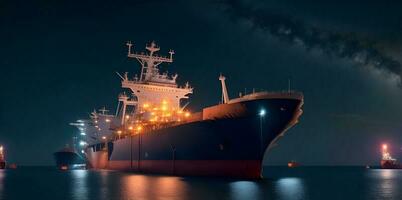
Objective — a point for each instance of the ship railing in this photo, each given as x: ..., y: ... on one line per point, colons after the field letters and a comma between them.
x: 290, y: 93
x: 270, y: 94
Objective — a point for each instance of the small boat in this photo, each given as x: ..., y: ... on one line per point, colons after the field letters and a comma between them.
x: 12, y: 166
x: 67, y: 158
x: 387, y: 161
x: 293, y: 164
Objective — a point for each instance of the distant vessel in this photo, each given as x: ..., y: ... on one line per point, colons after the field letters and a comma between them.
x: 153, y: 132
x: 293, y: 164
x: 67, y: 158
x: 387, y: 162
x: 12, y: 166
x: 2, y: 158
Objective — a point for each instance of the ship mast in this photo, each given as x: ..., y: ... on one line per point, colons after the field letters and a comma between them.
x: 149, y: 62
x: 225, y: 96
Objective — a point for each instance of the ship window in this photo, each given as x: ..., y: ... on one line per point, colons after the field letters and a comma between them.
x: 138, y: 91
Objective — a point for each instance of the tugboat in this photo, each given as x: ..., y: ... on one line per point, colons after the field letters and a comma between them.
x: 387, y: 162
x: 67, y: 158
x: 2, y: 159
x: 293, y: 164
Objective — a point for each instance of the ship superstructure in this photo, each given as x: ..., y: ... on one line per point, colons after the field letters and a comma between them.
x: 153, y: 91
x: 99, y: 125
x: 153, y: 132
x: 2, y: 158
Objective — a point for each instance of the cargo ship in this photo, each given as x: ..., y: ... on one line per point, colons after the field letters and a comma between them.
x: 152, y: 130
x: 387, y: 161
x: 2, y: 158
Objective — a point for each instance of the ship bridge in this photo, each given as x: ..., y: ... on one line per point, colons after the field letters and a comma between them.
x: 153, y: 87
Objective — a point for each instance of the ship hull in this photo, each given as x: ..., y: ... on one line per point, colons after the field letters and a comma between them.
x: 229, y: 141
x: 387, y: 164
x: 2, y: 164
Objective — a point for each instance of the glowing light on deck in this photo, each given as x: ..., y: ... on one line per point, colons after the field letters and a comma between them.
x: 82, y: 143
x: 384, y: 146
x: 83, y: 133
x: 127, y: 116
x: 151, y: 116
x: 107, y: 120
x: 104, y: 137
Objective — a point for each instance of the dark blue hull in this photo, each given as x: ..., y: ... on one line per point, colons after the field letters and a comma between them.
x: 229, y: 141
x: 69, y: 160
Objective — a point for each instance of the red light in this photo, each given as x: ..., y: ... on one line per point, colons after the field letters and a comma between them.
x: 384, y: 146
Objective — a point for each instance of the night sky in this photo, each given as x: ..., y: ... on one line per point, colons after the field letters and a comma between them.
x: 58, y: 62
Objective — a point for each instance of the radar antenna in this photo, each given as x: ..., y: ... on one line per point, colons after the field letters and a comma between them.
x: 149, y: 62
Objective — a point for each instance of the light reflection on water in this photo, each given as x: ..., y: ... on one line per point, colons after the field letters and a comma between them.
x: 152, y: 187
x: 103, y: 188
x: 2, y: 174
x: 385, y: 183
x: 79, y: 184
x: 290, y: 188
x: 282, y: 183
x: 244, y: 190
x: 332, y: 184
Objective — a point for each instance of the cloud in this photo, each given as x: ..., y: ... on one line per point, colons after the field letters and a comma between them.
x: 360, y: 51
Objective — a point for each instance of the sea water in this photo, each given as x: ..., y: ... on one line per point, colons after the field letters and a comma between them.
x: 321, y: 183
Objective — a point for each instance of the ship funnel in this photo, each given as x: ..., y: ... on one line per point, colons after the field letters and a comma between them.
x: 225, y: 96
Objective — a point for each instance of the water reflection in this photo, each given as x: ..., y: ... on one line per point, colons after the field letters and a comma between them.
x: 244, y: 190
x: 152, y: 187
x: 171, y: 187
x: 377, y: 184
x: 2, y: 175
x: 104, y: 187
x: 290, y: 188
x: 79, y: 184
x: 384, y: 183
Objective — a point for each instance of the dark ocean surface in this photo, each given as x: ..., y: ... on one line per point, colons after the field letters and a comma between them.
x: 279, y: 183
